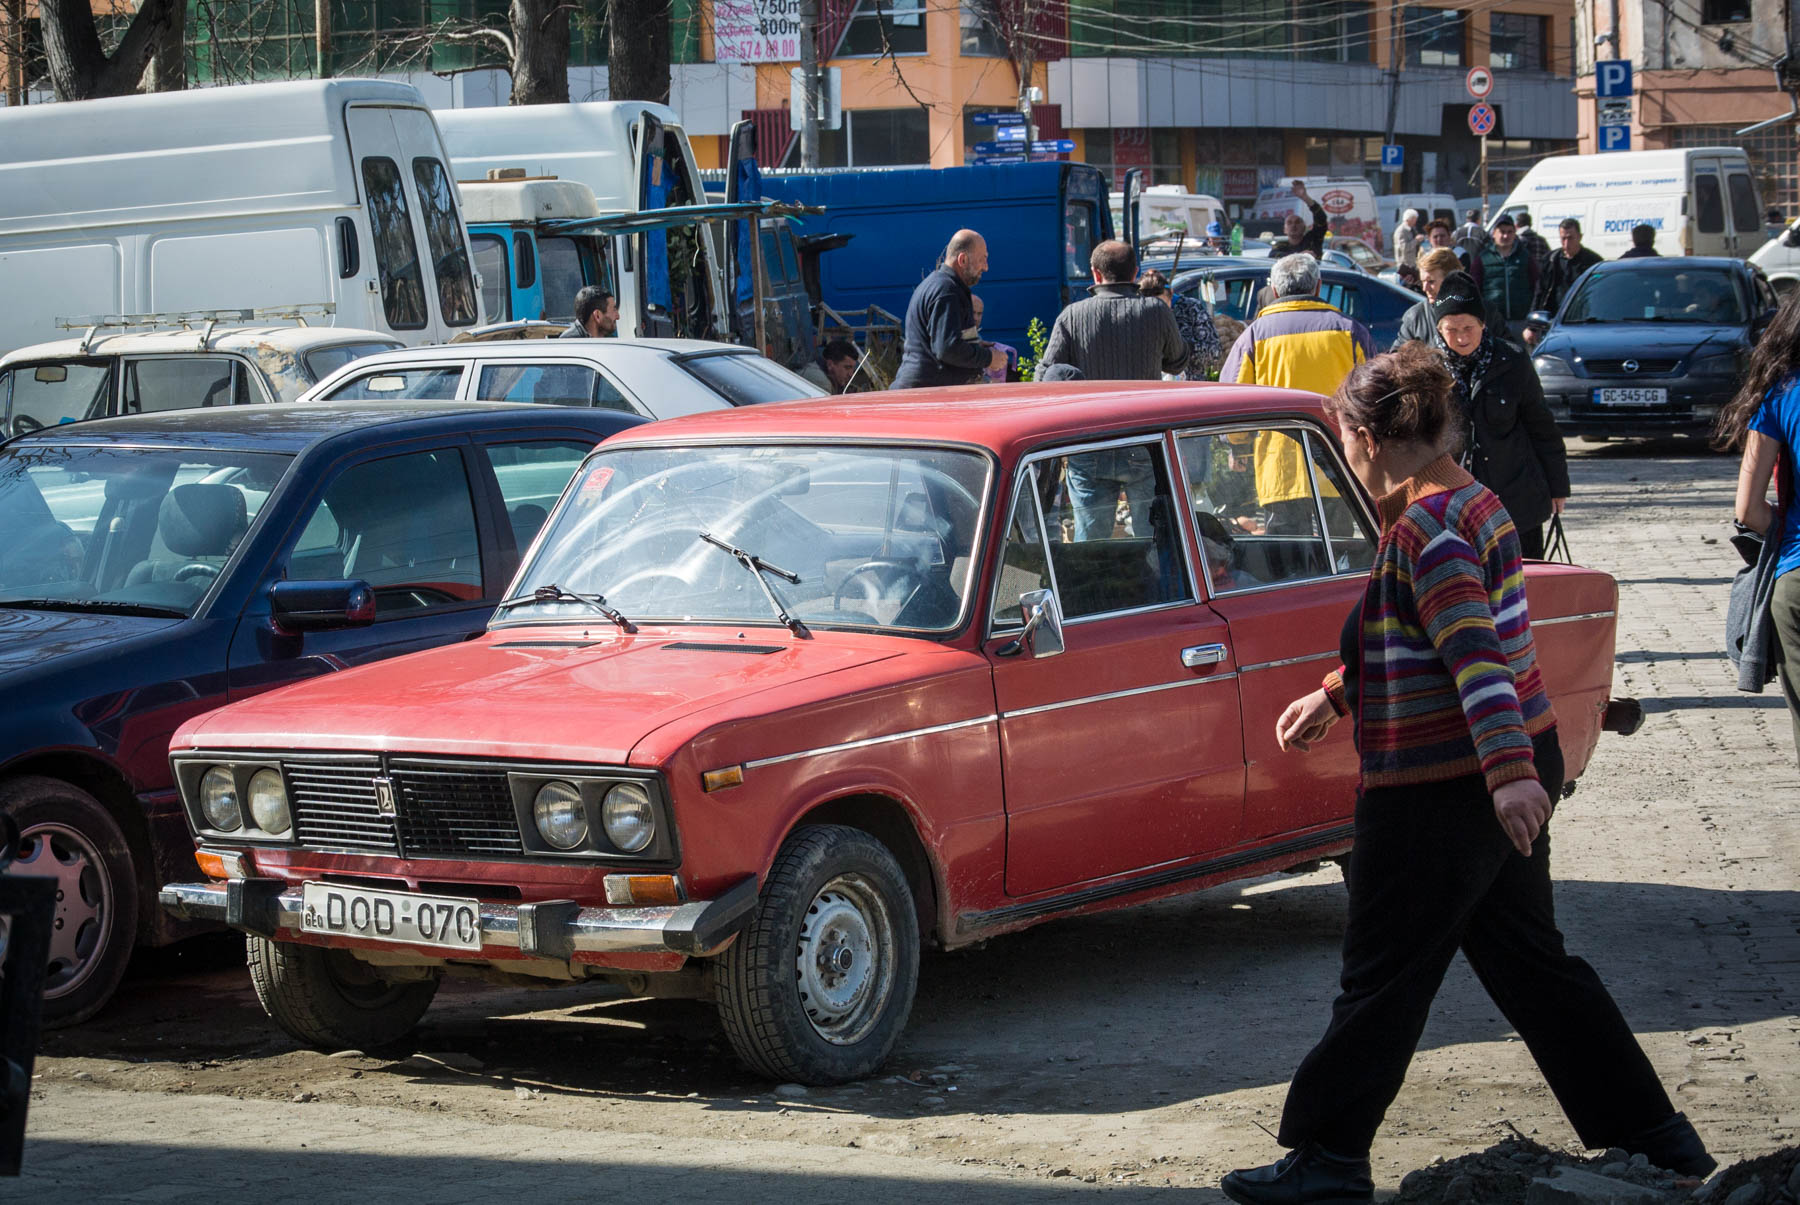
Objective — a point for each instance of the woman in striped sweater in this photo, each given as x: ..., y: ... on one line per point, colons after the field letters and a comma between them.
x: 1459, y: 765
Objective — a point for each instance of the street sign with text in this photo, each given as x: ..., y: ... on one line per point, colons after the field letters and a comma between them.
x: 998, y: 119
x: 1054, y: 146
x: 1011, y: 133
x: 1393, y: 157
x: 984, y: 160
x: 1613, y: 112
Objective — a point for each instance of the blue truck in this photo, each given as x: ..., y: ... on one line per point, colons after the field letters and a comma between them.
x: 1041, y: 221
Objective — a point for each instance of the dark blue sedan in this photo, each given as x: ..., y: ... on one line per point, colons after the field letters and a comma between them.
x: 1230, y: 289
x: 155, y: 567
x: 1651, y: 346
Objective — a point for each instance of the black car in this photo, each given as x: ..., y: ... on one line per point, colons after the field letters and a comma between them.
x: 1230, y: 288
x: 158, y: 566
x: 1651, y: 346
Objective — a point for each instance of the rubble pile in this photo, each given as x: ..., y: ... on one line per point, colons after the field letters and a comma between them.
x: 1770, y: 1180
x: 1519, y: 1171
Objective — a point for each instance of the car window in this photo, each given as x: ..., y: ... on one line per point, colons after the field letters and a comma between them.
x: 747, y: 379
x: 1709, y: 205
x: 1746, y: 217
x: 149, y: 527
x: 566, y: 264
x: 1698, y: 295
x: 1765, y: 295
x: 436, y: 383
x: 404, y: 524
x: 1255, y: 506
x: 168, y: 383
x: 1343, y: 298
x: 551, y: 385
x: 396, y: 254
x: 43, y: 395
x: 1240, y: 297
x: 321, y: 362
x: 1024, y: 558
x: 1114, y: 543
x: 1078, y: 238
x: 531, y: 476
x: 496, y: 277
x: 444, y: 234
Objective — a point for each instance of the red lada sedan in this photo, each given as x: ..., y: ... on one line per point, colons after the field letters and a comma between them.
x: 782, y: 694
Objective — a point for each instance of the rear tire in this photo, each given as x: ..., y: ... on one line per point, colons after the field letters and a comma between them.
x: 817, y: 989
x: 330, y: 999
x: 65, y: 834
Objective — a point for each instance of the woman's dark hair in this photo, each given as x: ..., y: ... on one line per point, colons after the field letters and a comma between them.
x: 1152, y: 283
x: 1777, y: 354
x: 1404, y: 396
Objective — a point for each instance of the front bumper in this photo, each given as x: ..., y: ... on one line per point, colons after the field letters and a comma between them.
x: 557, y: 929
x: 1693, y: 404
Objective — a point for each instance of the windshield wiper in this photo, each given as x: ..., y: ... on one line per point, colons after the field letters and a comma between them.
x: 555, y: 593
x: 90, y: 604
x: 757, y: 567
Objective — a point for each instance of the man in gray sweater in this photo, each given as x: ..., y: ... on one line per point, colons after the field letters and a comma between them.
x: 1114, y: 334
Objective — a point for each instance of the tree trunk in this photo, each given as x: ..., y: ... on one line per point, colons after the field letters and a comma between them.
x: 540, y: 69
x: 167, y: 71
x: 79, y: 66
x: 637, y: 50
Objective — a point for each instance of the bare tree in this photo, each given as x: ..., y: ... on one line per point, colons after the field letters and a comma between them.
x: 1020, y: 26
x: 167, y: 70
x: 80, y: 68
x: 637, y: 50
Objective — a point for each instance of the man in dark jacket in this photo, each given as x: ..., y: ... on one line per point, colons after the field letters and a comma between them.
x: 1509, y: 278
x: 1643, y: 242
x: 942, y: 344
x: 596, y: 315
x: 1300, y: 236
x: 1534, y: 243
x: 1566, y: 267
x: 1113, y: 334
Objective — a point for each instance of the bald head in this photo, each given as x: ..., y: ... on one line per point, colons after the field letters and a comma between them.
x: 967, y: 256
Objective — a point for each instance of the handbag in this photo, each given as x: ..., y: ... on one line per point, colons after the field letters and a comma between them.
x: 1556, y: 544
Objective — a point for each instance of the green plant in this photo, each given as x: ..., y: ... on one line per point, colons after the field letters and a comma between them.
x: 1038, y: 336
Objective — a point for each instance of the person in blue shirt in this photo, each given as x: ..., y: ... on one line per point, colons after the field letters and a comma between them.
x: 1765, y: 417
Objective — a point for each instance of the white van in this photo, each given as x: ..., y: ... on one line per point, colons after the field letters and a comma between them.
x: 1429, y: 204
x: 262, y: 195
x: 1779, y: 258
x: 1349, y: 203
x: 1700, y: 200
x: 634, y: 156
x: 1169, y: 209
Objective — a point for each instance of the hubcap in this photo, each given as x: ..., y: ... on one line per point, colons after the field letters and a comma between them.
x: 84, y: 900
x: 844, y: 960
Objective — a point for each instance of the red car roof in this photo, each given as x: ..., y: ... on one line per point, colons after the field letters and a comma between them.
x: 1005, y: 418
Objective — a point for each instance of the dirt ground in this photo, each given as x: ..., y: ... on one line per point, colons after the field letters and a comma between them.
x: 1150, y: 1046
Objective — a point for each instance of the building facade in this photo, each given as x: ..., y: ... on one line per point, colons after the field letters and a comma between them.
x: 1702, y: 70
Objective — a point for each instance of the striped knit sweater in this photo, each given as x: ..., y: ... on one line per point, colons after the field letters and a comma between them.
x: 1449, y: 682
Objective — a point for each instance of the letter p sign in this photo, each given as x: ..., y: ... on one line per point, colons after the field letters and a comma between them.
x: 1612, y: 77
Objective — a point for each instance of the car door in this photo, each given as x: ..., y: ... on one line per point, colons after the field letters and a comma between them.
x: 413, y: 522
x: 1706, y: 212
x: 1124, y: 751
x: 1286, y: 546
x: 552, y: 382
x: 1746, y: 210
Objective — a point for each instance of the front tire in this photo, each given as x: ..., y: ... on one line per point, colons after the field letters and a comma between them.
x: 817, y: 989
x: 66, y: 835
x: 331, y: 999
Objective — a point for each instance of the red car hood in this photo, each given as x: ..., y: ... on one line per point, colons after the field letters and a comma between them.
x: 532, y: 694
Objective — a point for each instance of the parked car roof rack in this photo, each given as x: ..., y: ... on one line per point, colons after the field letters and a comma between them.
x: 205, y: 320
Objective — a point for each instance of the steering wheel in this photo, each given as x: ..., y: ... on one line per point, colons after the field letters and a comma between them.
x: 24, y: 424
x: 888, y: 572
x: 196, y: 569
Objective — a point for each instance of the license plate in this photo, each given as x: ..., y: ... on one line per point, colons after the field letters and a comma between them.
x: 398, y: 916
x: 1631, y: 397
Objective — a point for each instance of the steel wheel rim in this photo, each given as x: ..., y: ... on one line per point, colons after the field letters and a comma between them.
x: 84, y: 901
x: 844, y: 960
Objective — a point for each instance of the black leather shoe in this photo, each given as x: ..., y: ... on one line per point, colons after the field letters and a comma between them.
x: 1673, y: 1145
x: 1306, y: 1176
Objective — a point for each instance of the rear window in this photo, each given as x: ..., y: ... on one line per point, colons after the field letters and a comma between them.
x: 443, y: 230
x: 745, y: 379
x: 427, y: 383
x: 321, y: 362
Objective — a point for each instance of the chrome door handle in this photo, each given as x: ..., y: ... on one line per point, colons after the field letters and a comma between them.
x: 1202, y: 654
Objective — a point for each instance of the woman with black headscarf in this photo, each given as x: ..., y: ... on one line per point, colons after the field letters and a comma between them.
x: 1510, y: 442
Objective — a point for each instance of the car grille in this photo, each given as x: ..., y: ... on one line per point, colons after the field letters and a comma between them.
x: 441, y: 807
x: 1645, y: 368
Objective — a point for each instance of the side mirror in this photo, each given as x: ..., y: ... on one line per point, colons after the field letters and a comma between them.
x: 297, y: 607
x: 1042, y: 633
x: 1791, y: 237
x: 1541, y: 317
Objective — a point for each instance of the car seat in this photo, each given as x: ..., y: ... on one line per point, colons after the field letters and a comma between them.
x: 200, y: 525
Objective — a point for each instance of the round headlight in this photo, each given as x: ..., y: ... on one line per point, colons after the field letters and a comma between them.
x: 268, y: 803
x: 560, y: 817
x: 630, y: 822
x: 219, y: 800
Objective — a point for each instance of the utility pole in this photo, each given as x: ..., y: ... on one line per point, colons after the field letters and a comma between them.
x: 809, y: 84
x: 1396, y: 57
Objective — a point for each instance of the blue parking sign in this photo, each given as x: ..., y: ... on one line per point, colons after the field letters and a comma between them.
x: 1393, y: 157
x: 1612, y: 77
x: 1615, y: 138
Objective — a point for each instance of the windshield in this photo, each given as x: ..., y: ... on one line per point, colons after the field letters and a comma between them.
x: 1707, y: 295
x: 321, y: 362
x: 129, y: 529
x: 878, y: 537
x: 50, y: 392
x: 746, y: 379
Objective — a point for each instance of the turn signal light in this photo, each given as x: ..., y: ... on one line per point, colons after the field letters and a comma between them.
x: 718, y: 780
x: 234, y: 865
x: 211, y: 864
x: 643, y: 889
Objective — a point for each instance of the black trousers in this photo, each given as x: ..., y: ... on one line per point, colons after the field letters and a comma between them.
x: 1432, y: 872
x: 1531, y: 546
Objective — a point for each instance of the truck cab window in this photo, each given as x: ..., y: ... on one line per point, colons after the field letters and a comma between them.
x: 496, y: 276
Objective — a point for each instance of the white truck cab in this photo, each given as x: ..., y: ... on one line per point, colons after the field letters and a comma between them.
x: 528, y: 268
x: 1699, y: 200
x: 633, y: 156
x: 331, y: 192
